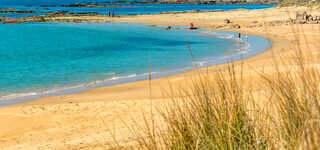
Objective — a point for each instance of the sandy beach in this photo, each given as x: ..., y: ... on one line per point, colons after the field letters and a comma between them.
x: 84, y: 120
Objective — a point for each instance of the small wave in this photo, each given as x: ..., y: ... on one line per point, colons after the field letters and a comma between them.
x: 132, y: 75
x: 83, y: 85
x: 200, y: 63
x: 215, y: 34
x: 10, y: 96
x: 121, y: 77
x: 115, y: 78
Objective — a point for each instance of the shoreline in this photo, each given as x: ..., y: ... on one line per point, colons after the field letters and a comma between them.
x: 81, y: 120
x: 66, y: 13
x: 82, y: 87
x: 49, y: 100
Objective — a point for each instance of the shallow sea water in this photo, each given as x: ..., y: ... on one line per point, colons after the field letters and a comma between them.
x: 37, y: 59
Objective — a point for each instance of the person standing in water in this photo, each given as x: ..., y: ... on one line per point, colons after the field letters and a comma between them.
x: 247, y: 39
x: 239, y: 36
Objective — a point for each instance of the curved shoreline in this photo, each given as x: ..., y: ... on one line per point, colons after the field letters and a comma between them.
x: 81, y: 120
x: 7, y: 100
x: 36, y: 100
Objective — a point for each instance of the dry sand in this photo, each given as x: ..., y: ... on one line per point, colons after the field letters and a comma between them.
x: 84, y: 120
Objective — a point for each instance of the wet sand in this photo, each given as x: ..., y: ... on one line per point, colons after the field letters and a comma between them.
x: 83, y: 120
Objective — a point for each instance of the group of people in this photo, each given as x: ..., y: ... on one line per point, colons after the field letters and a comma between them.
x: 239, y: 38
x: 239, y: 34
x: 109, y: 13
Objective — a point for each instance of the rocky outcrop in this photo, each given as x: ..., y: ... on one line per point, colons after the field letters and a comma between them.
x: 236, y: 26
x: 86, y: 14
x: 305, y: 18
x: 90, y: 5
x: 13, y: 10
x: 199, y: 1
x: 60, y: 12
x: 227, y: 21
x: 48, y: 5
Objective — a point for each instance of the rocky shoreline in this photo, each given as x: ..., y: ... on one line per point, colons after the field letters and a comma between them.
x: 198, y: 2
x: 92, y: 5
x: 68, y: 16
x: 13, y: 10
x: 65, y: 16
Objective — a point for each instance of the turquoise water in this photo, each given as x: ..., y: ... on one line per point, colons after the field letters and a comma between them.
x: 37, y: 59
x: 125, y: 9
x: 41, y: 59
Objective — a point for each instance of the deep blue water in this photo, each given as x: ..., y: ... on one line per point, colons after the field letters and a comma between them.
x: 37, y: 58
x: 125, y: 9
x: 46, y: 2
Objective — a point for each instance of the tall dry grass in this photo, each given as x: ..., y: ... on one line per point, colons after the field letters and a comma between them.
x: 220, y: 111
x: 213, y: 112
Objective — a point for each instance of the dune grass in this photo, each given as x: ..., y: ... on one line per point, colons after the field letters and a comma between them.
x: 218, y: 111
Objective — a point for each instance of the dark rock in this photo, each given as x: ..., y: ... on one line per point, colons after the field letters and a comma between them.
x: 301, y: 18
x: 25, y: 11
x: 42, y: 19
x: 304, y: 18
x: 236, y: 26
x: 227, y: 21
x: 12, y: 10
x: 87, y: 14
x: 90, y: 5
x: 7, y: 22
x: 60, y: 12
x: 48, y: 5
x: 74, y: 5
x: 194, y: 11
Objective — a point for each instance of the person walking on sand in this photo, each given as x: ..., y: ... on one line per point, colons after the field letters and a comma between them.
x: 109, y: 13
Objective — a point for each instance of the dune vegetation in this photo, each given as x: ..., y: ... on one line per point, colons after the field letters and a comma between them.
x: 221, y: 111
